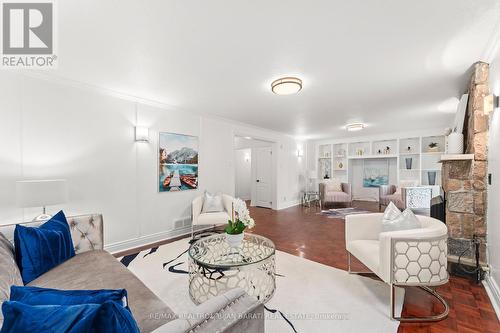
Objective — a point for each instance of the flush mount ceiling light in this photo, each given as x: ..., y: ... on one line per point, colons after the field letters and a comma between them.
x: 286, y: 86
x: 355, y: 127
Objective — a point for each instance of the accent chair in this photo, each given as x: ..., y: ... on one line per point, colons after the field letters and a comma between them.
x: 329, y: 194
x: 388, y: 193
x: 213, y: 218
x: 406, y: 258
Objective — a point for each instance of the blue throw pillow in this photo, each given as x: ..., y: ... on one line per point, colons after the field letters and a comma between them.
x: 45, y: 296
x: 84, y: 318
x: 40, y: 249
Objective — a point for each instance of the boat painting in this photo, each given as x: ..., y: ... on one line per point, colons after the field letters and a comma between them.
x: 178, y: 162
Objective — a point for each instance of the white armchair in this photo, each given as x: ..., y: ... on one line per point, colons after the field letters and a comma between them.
x: 416, y: 257
x: 199, y: 218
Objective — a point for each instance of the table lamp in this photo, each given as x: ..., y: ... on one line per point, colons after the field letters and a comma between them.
x: 41, y: 193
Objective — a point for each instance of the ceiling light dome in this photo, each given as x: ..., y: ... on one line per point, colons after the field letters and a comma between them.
x: 355, y: 127
x: 286, y: 86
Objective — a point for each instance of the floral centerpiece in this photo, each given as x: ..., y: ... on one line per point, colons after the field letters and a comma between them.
x: 240, y: 221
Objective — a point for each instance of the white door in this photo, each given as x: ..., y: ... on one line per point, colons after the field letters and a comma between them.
x: 263, y: 177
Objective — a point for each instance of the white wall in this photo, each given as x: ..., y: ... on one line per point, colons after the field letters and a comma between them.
x: 493, y: 217
x: 243, y: 171
x: 50, y: 129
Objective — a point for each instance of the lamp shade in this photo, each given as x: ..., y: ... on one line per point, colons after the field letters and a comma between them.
x: 41, y: 193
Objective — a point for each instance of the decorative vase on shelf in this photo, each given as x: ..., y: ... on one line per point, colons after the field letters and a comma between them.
x: 235, y: 240
x: 408, y: 161
x: 431, y: 177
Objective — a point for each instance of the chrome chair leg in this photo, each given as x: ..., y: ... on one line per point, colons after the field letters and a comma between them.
x: 432, y: 318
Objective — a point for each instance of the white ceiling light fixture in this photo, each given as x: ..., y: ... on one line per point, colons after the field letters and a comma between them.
x: 286, y: 86
x: 354, y: 127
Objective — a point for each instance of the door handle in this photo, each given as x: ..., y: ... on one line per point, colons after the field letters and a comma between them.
x: 257, y: 180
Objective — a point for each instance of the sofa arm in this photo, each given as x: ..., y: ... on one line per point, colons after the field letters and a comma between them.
x: 232, y: 312
x: 86, y: 232
x: 346, y: 188
x: 362, y: 227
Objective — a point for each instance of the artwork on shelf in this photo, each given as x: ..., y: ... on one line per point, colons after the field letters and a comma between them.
x: 376, y: 173
x: 178, y: 162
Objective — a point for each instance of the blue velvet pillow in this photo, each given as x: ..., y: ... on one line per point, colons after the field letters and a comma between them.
x: 45, y: 296
x: 84, y: 318
x: 40, y: 249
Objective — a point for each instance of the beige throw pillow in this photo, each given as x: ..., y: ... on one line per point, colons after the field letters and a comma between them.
x: 333, y: 185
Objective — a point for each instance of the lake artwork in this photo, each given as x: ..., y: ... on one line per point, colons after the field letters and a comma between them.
x: 178, y: 162
x: 376, y: 173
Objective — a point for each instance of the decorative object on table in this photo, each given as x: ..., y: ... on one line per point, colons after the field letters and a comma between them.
x: 379, y: 152
x: 341, y: 213
x: 376, y: 173
x: 239, y: 222
x: 431, y: 177
x: 387, y: 150
x: 408, y: 149
x: 433, y: 147
x: 340, y: 166
x: 360, y: 151
x: 178, y: 162
x: 408, y: 162
x: 326, y: 176
x: 41, y: 193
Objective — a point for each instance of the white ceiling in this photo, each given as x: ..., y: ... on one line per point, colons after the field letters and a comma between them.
x: 393, y: 64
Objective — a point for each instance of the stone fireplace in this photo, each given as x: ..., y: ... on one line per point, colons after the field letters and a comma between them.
x: 464, y: 178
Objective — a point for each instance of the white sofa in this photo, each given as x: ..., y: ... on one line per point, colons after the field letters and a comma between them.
x: 199, y: 218
x: 416, y: 257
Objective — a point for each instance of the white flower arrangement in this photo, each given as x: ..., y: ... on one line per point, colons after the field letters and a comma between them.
x: 241, y: 218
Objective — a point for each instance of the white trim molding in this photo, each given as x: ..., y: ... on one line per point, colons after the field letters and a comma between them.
x: 150, y: 239
x: 493, y: 292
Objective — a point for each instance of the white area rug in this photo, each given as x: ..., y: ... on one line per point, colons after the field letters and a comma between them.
x: 314, y: 297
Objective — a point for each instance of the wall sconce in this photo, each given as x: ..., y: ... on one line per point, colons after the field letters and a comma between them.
x: 141, y: 134
x: 247, y: 157
x: 490, y: 103
x: 300, y: 153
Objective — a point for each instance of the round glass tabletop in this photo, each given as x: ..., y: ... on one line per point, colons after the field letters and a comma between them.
x: 214, y: 251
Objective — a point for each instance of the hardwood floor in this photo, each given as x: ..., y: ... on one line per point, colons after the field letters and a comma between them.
x: 303, y: 232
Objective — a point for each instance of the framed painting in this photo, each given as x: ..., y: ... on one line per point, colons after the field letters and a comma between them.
x: 177, y: 162
x: 376, y: 172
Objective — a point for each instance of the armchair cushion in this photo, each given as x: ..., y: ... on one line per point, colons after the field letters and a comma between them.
x: 337, y: 197
x: 212, y: 203
x: 213, y: 218
x: 333, y: 185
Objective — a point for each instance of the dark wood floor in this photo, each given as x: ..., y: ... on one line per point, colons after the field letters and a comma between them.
x: 303, y: 232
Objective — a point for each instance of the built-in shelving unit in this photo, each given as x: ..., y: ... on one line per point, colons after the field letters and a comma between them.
x: 417, y: 158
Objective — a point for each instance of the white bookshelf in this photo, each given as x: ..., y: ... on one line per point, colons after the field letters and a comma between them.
x: 334, y: 158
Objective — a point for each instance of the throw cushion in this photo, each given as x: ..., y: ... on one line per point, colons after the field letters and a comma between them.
x: 40, y: 249
x: 212, y: 203
x: 9, y: 273
x: 333, y: 185
x: 107, y: 317
x: 394, y: 220
x: 46, y: 296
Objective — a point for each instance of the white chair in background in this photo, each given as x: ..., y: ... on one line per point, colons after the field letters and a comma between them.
x: 212, y: 218
x: 405, y: 258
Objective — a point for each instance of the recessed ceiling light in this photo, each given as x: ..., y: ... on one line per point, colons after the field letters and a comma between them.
x: 286, y: 86
x: 355, y: 127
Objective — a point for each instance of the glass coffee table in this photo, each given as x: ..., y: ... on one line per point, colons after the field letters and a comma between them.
x: 215, y: 268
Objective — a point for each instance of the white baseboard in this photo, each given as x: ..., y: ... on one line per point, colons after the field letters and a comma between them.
x: 150, y: 239
x: 290, y: 204
x: 493, y: 292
